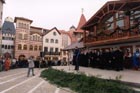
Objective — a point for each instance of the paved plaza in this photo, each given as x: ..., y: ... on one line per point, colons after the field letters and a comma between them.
x: 16, y: 80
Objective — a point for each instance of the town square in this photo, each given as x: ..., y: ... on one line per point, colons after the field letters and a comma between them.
x: 101, y: 54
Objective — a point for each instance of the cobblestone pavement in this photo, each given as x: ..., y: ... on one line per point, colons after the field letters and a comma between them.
x: 16, y: 81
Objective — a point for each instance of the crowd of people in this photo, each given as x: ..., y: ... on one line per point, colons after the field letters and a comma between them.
x: 12, y: 63
x: 113, y: 59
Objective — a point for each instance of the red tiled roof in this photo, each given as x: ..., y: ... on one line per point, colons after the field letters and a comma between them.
x: 81, y: 23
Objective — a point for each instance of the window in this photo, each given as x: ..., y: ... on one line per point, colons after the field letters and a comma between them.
x: 56, y: 41
x: 56, y: 49
x: 20, y: 36
x: 45, y: 49
x: 51, y: 49
x: 52, y: 41
x: 54, y: 33
x: 25, y: 47
x: 8, y: 46
x: 31, y: 47
x: 5, y: 46
x: 25, y: 36
x: 2, y: 46
x: 12, y: 46
x: 120, y: 23
x: 40, y: 48
x: 47, y: 40
x: 33, y: 37
x: 35, y: 47
x: 19, y: 46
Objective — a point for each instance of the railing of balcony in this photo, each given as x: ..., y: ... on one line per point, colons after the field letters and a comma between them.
x: 117, y: 35
x: 52, y: 53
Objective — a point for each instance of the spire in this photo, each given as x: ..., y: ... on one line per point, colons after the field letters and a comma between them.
x: 82, y: 21
x: 82, y: 10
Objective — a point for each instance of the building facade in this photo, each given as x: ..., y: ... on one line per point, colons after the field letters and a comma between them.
x: 1, y: 11
x: 76, y: 33
x: 1, y: 14
x: 116, y: 24
x: 36, y: 41
x: 52, y: 44
x: 8, y: 37
x: 66, y: 41
x: 22, y: 40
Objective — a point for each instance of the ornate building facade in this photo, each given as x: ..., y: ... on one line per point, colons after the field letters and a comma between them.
x: 116, y: 24
x: 28, y: 41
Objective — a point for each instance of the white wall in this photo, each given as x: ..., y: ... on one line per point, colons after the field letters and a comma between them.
x: 51, y: 36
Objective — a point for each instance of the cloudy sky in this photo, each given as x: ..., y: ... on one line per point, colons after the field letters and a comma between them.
x: 52, y: 13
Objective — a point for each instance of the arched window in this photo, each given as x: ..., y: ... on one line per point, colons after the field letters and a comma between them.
x: 31, y: 47
x: 56, y: 41
x: 47, y: 40
x: 52, y: 41
x: 25, y: 47
x: 19, y: 46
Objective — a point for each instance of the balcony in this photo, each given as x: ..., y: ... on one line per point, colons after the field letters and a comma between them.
x: 52, y: 53
x: 117, y: 37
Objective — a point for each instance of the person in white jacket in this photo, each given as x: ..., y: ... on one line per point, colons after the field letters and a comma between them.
x: 30, y: 66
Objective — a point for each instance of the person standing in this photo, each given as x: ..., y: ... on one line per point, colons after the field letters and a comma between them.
x: 7, y: 64
x: 136, y: 59
x: 1, y: 64
x: 76, y: 58
x: 30, y: 66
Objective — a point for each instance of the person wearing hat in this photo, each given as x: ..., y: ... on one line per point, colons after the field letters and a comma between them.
x: 30, y: 66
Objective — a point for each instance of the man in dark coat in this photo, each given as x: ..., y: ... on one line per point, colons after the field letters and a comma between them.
x: 76, y: 58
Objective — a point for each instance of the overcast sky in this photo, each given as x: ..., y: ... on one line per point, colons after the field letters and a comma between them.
x: 52, y: 13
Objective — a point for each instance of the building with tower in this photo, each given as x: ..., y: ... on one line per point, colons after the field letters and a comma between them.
x: 8, y: 37
x: 28, y: 41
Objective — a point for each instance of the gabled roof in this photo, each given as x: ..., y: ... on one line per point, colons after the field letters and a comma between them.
x: 110, y: 8
x: 52, y: 30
